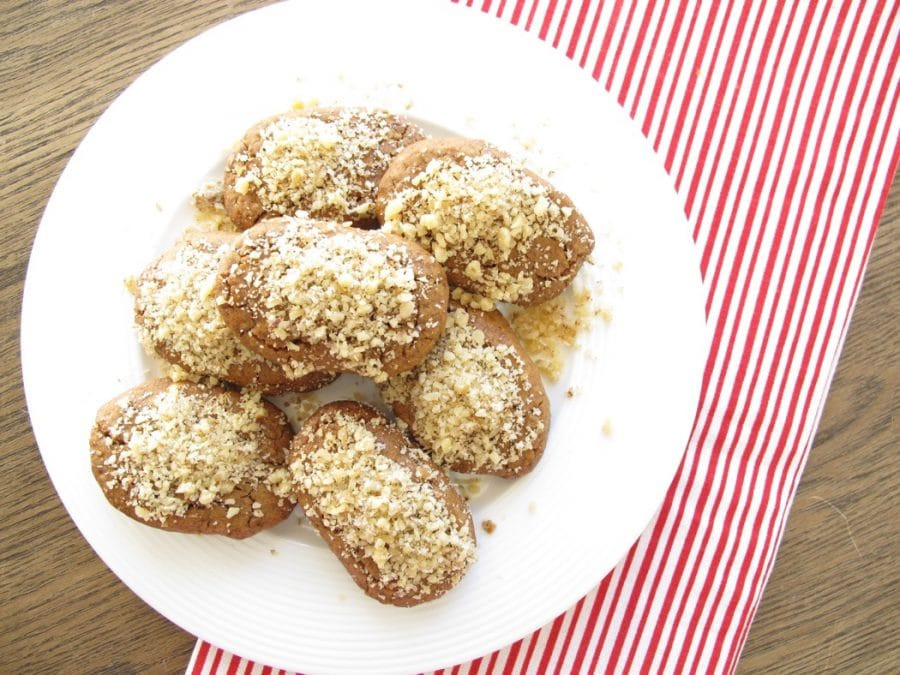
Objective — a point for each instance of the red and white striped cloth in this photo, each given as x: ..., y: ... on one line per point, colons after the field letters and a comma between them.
x: 779, y: 123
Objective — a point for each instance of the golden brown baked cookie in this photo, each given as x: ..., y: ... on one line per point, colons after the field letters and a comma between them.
x: 500, y: 230
x: 390, y: 515
x: 335, y: 297
x: 324, y: 161
x: 191, y: 458
x: 178, y: 320
x: 477, y: 403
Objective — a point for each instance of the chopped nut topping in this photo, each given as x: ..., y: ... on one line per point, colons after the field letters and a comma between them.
x: 488, y: 526
x: 381, y: 510
x: 546, y: 329
x: 179, y: 449
x: 176, y: 307
x: 310, y: 164
x: 467, y: 399
x: 485, y: 210
x: 327, y: 284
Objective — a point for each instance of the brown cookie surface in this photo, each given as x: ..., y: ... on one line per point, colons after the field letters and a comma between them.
x: 178, y: 320
x: 500, y: 230
x: 477, y: 403
x: 335, y: 297
x: 326, y: 162
x: 192, y: 458
x: 391, y: 516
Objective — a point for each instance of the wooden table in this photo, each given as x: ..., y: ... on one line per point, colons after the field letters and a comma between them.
x: 831, y: 604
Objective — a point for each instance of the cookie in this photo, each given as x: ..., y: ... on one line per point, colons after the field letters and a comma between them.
x: 190, y: 458
x: 477, y: 403
x: 334, y: 297
x: 178, y: 320
x: 499, y: 230
x: 390, y: 515
x: 326, y: 162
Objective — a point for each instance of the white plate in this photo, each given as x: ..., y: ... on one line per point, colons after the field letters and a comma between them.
x: 124, y: 197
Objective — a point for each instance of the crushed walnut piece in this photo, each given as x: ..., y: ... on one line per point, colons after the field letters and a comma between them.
x: 179, y: 450
x: 607, y: 428
x: 467, y: 399
x: 489, y: 526
x: 382, y: 511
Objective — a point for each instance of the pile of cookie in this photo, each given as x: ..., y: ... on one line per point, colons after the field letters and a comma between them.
x: 354, y: 228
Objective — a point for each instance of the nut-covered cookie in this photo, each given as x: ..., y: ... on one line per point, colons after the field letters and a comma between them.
x: 178, y: 320
x: 500, y: 230
x: 191, y: 458
x: 334, y: 297
x: 324, y: 161
x: 390, y: 515
x: 477, y: 403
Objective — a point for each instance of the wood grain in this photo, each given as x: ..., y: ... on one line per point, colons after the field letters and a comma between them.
x: 831, y: 604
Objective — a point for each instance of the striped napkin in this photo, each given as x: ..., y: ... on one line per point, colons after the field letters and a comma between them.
x: 779, y: 123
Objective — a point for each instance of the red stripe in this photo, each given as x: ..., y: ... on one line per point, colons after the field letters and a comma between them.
x: 748, y: 608
x: 591, y: 623
x: 486, y: 6
x: 590, y: 38
x: 532, y: 643
x: 200, y: 661
x: 500, y: 8
x: 512, y: 656
x: 620, y: 46
x: 650, y: 54
x: 248, y: 668
x: 233, y: 665
x: 562, y: 22
x: 517, y: 12
x: 693, y: 76
x: 217, y: 656
x: 548, y: 17
x: 703, y: 498
x: 636, y: 51
x: 663, y: 534
x: 676, y: 78
x: 663, y: 69
x: 267, y: 670
x: 579, y: 25
x: 721, y: 87
x: 455, y: 670
x: 738, y: 492
x: 551, y: 643
x: 475, y: 666
x: 492, y: 662
x: 564, y: 650
x: 607, y: 38
x: 534, y: 5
